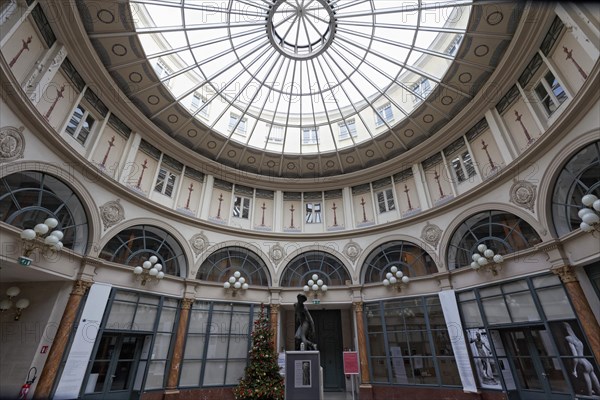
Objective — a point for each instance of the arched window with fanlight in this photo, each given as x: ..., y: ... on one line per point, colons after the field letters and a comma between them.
x: 409, y: 258
x: 223, y: 263
x: 326, y: 266
x: 30, y: 197
x: 133, y: 246
x: 502, y: 232
x: 579, y: 176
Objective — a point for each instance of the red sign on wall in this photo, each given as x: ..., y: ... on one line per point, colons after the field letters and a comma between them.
x: 350, y: 363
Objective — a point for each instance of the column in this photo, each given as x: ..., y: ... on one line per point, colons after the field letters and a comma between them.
x: 175, y: 368
x: 274, y: 318
x: 44, y: 71
x: 365, y: 387
x: 59, y: 344
x: 582, y: 307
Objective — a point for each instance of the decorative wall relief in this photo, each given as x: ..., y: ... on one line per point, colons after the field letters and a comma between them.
x: 276, y: 253
x: 12, y: 143
x: 199, y: 242
x: 112, y: 213
x: 431, y: 234
x: 522, y: 193
x: 352, y: 250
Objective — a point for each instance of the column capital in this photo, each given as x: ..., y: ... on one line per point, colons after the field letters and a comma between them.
x: 80, y: 287
x: 357, y: 306
x: 275, y: 308
x: 566, y: 273
x: 186, y: 303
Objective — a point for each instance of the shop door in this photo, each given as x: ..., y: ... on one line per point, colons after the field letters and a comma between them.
x: 114, y: 367
x: 538, y: 372
x: 328, y: 327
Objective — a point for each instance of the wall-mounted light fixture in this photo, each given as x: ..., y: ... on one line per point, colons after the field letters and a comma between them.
x: 149, y: 271
x: 590, y: 213
x: 395, y: 279
x: 235, y: 283
x: 7, y: 304
x: 315, y: 286
x: 487, y: 259
x: 39, y: 238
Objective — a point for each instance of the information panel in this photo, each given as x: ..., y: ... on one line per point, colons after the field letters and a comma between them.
x: 351, y: 363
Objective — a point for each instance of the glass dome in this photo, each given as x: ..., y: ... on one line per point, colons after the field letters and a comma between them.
x: 303, y: 76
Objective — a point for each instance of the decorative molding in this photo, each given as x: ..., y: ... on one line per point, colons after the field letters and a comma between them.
x: 357, y: 306
x: 275, y: 308
x: 112, y: 213
x: 522, y: 193
x: 431, y: 234
x: 199, y: 243
x: 80, y: 287
x: 276, y: 253
x: 352, y: 250
x: 12, y: 143
x: 566, y: 273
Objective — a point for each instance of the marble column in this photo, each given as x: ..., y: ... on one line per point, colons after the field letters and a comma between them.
x: 59, y: 344
x: 582, y: 307
x: 274, y: 317
x: 174, y: 370
x: 365, y: 387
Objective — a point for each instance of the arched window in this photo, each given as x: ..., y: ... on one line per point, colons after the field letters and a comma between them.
x: 411, y: 259
x: 221, y: 264
x: 500, y: 231
x: 302, y: 267
x: 28, y: 198
x: 579, y: 176
x: 137, y: 244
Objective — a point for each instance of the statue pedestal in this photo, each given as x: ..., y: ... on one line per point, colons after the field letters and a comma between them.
x: 303, y: 375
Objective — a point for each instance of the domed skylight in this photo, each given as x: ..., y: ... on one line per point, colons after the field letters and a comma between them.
x: 300, y: 76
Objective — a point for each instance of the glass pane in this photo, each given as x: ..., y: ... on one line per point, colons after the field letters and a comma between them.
x: 97, y: 377
x: 122, y: 375
x: 515, y: 286
x: 377, y: 344
x: 471, y: 314
x: 238, y: 347
x: 161, y: 346
x: 156, y: 374
x: 190, y: 373
x: 495, y: 310
x: 214, y: 373
x: 418, y: 343
x: 126, y: 296
x: 235, y: 371
x: 470, y: 295
x: 194, y: 346
x: 128, y: 347
x: 522, y: 307
x: 555, y: 303
x: 449, y: 371
x: 167, y: 319
x: 145, y: 317
x: 424, y: 371
x: 121, y: 315
x: 150, y: 300
x: 239, y: 323
x: 400, y: 366
x: 198, y: 321
x: 379, y: 370
x: 217, y: 346
x: 546, y: 280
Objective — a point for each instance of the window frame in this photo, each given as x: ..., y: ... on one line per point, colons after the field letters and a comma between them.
x: 77, y: 131
x: 245, y: 208
x: 389, y: 200
x: 382, y: 116
x: 462, y: 164
x: 201, y: 102
x: 549, y: 89
x: 347, y: 129
x: 240, y: 124
x: 164, y: 182
x: 310, y: 135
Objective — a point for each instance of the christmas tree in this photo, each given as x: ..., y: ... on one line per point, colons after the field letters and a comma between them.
x: 261, y: 380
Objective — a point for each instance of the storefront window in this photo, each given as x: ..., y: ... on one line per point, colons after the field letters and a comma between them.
x: 409, y: 343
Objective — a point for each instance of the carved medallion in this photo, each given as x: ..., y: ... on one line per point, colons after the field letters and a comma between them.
x: 431, y: 234
x: 522, y: 193
x: 112, y: 213
x: 276, y: 253
x: 12, y: 143
x: 352, y: 250
x: 199, y: 242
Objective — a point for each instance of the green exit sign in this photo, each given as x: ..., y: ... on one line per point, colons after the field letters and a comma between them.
x: 316, y: 301
x: 25, y: 261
